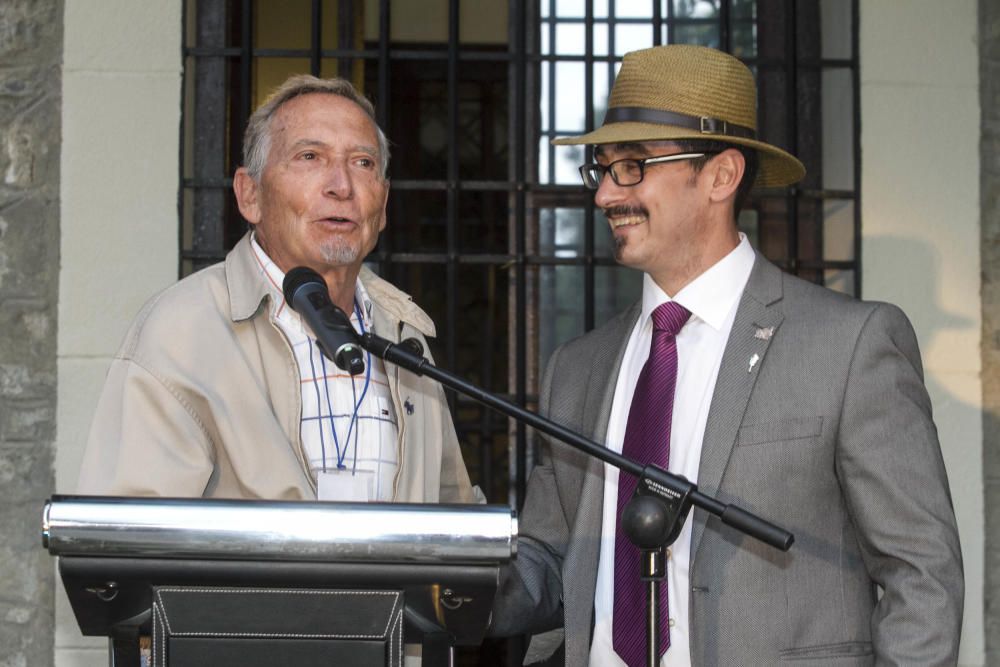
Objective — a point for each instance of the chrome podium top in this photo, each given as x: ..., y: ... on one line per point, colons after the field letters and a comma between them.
x: 278, y: 530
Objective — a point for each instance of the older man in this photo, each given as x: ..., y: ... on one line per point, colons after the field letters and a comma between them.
x: 797, y: 403
x: 220, y: 390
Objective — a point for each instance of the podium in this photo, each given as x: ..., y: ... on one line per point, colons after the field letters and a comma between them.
x: 241, y: 582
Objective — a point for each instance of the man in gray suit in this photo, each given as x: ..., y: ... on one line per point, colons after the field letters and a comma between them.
x: 799, y: 404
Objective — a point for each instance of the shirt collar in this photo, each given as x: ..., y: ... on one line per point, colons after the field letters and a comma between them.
x: 711, y: 296
x: 276, y: 278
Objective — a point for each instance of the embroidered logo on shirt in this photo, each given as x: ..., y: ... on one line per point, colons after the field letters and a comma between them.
x: 408, y: 406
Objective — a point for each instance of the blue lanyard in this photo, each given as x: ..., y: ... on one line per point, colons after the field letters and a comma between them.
x: 342, y: 454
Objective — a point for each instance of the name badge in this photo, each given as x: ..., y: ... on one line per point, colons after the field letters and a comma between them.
x: 346, y: 485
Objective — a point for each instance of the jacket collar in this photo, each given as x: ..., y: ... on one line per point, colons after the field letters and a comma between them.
x: 248, y: 288
x: 397, y: 303
x: 764, y: 284
x: 245, y: 280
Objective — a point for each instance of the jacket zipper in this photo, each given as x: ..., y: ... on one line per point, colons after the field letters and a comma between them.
x: 299, y: 448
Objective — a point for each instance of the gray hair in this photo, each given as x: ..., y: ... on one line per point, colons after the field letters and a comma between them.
x: 257, y: 138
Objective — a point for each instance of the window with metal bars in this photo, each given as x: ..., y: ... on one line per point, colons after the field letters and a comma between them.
x: 489, y: 227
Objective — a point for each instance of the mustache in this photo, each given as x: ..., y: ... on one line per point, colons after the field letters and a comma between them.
x: 624, y: 211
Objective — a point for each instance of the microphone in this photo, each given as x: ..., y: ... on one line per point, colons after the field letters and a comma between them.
x: 305, y: 291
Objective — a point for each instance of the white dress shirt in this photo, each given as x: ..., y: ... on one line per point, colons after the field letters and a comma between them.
x: 348, y: 425
x: 712, y: 299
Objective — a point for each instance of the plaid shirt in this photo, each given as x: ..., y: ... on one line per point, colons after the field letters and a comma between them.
x: 349, y: 427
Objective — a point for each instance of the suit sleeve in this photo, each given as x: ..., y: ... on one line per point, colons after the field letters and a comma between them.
x: 145, y: 440
x: 890, y: 466
x: 530, y: 596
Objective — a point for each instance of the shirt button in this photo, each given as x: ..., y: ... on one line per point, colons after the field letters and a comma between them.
x: 671, y: 622
x: 670, y: 554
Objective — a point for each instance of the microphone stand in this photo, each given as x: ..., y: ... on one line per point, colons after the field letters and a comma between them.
x: 654, y: 516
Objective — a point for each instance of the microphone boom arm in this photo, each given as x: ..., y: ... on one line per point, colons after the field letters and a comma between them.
x: 675, y: 486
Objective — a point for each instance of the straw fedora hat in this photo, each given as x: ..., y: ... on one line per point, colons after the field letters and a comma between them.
x: 689, y: 92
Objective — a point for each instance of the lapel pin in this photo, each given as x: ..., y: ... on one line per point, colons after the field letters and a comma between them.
x: 764, y: 333
x: 753, y: 362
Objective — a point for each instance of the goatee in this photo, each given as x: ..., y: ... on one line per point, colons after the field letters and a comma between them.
x: 337, y: 254
x: 619, y: 247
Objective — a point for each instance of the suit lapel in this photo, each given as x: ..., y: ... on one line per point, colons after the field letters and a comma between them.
x: 756, y: 322
x: 604, y: 353
x: 608, y: 349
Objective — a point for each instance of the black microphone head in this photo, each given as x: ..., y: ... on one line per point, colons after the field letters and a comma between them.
x: 296, y: 278
x: 349, y: 359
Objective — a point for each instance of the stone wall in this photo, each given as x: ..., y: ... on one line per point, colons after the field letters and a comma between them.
x: 989, y: 81
x: 30, y: 104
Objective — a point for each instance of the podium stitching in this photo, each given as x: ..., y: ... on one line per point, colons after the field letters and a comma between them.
x: 159, y: 637
x: 398, y: 631
x: 292, y: 591
x: 274, y: 635
x: 392, y: 612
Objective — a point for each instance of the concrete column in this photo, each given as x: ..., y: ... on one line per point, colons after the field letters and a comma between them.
x: 989, y: 154
x: 30, y: 101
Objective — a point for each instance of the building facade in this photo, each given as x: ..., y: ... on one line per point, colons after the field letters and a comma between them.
x: 105, y: 197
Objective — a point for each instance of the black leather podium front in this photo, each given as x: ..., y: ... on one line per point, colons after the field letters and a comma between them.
x: 253, y: 627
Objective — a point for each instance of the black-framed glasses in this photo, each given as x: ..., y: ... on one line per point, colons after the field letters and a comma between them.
x: 628, y: 171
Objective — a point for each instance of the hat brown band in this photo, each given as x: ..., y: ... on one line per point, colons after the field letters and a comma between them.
x: 703, y: 124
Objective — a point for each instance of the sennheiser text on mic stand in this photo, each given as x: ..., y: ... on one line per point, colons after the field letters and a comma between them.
x: 652, y: 519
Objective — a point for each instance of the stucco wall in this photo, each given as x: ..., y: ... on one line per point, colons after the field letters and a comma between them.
x: 121, y: 115
x: 920, y: 225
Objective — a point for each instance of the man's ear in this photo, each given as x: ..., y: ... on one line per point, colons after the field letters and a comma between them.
x: 727, y: 172
x: 247, y: 193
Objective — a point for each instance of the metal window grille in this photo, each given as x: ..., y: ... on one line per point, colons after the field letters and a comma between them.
x: 489, y: 227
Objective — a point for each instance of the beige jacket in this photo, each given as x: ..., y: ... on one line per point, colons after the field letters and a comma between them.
x: 203, y: 399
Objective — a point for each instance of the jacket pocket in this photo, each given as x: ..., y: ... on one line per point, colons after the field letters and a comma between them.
x: 859, y: 651
x: 789, y: 429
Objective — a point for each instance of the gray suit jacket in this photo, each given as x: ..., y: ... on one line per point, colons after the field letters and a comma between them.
x: 829, y: 436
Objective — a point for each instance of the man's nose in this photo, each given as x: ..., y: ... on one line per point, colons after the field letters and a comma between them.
x: 338, y: 181
x: 608, y: 192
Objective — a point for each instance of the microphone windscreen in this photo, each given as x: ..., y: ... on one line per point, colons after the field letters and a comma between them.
x: 296, y: 278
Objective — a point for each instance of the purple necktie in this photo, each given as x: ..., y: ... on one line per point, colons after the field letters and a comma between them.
x: 647, y: 440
